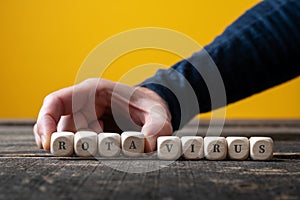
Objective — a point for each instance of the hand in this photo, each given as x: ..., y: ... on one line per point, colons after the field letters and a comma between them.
x: 101, y: 105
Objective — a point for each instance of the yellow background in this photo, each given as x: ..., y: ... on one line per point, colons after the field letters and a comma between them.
x: 43, y: 43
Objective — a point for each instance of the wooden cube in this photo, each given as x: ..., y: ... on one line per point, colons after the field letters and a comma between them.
x: 85, y: 143
x: 192, y: 147
x: 132, y: 143
x: 168, y: 147
x: 261, y: 148
x: 215, y: 148
x: 109, y: 144
x: 238, y: 148
x: 62, y: 143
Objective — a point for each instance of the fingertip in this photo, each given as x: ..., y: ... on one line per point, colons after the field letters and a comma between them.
x: 46, y: 142
x: 37, y: 137
x: 150, y: 144
x: 101, y: 125
x: 151, y: 134
x: 150, y: 141
x: 46, y: 126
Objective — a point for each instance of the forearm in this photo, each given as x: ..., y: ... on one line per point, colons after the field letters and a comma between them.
x: 256, y: 52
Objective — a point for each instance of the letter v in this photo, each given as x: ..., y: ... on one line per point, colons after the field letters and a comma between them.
x: 169, y: 147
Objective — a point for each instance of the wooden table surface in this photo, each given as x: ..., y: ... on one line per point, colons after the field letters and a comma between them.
x: 29, y: 173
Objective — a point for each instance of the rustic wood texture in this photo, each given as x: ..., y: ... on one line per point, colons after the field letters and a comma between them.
x: 29, y: 173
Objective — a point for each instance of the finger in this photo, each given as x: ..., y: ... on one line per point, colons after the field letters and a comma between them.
x: 157, y: 123
x: 121, y: 109
x: 55, y: 105
x: 58, y: 104
x: 36, y: 136
x: 80, y: 121
x: 66, y: 123
x: 45, y: 129
x: 97, y: 126
x: 73, y: 123
x: 94, y: 109
x: 97, y: 101
x: 154, y: 129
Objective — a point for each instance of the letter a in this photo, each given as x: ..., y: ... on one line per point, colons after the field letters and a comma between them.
x: 132, y: 145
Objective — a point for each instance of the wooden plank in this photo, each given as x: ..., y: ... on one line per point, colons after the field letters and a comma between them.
x: 29, y: 173
x: 61, y: 179
x: 17, y: 122
x: 193, y: 122
x: 19, y: 139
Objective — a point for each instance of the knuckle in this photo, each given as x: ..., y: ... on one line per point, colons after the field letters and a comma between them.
x: 91, y: 80
x: 50, y: 97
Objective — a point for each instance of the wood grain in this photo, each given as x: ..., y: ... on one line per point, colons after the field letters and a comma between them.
x: 29, y: 173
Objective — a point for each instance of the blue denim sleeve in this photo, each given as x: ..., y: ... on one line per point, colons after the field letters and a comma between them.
x: 259, y: 50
